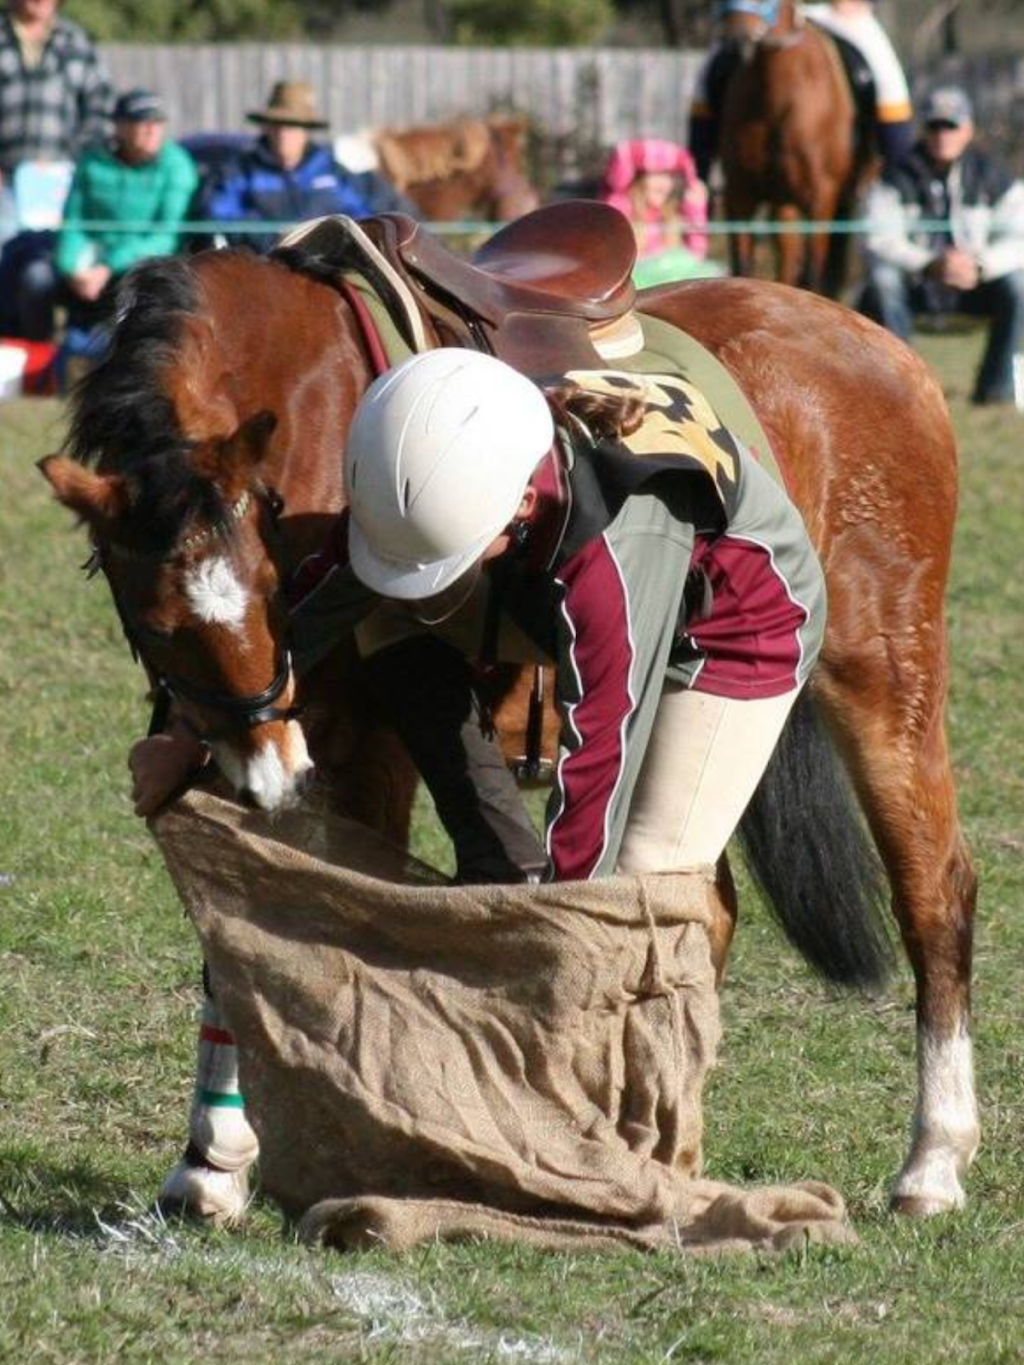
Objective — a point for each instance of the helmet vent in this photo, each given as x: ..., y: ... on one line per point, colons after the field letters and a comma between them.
x: 405, y: 495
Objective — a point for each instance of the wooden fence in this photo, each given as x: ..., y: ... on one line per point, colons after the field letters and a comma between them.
x: 580, y: 100
x: 613, y: 94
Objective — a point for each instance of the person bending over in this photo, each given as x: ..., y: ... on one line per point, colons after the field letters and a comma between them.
x: 668, y: 578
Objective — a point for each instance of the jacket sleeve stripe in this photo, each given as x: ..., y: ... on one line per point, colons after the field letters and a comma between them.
x: 598, y: 702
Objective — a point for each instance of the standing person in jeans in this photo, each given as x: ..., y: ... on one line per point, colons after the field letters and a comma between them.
x: 947, y: 236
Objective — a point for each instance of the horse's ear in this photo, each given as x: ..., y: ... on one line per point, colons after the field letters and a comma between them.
x: 98, y: 499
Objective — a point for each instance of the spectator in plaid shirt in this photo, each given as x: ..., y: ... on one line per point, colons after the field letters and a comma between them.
x: 54, y: 92
x: 54, y: 99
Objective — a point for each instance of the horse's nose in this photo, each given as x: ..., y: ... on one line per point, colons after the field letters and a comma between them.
x: 247, y: 797
x: 304, y: 780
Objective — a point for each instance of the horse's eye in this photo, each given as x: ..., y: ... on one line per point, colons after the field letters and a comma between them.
x: 157, y: 627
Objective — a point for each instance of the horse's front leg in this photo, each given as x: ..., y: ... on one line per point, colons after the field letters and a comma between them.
x: 824, y: 208
x: 900, y: 763
x: 740, y: 208
x: 211, y: 1180
x: 790, y: 246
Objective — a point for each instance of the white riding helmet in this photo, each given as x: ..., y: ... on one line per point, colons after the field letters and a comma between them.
x: 439, y: 455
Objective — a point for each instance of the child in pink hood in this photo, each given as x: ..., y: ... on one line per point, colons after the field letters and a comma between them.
x: 655, y: 184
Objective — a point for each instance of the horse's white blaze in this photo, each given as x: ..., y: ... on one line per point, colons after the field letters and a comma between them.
x: 271, y: 776
x: 946, y: 1132
x: 215, y: 594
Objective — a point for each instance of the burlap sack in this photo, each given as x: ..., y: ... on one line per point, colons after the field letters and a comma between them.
x: 421, y: 1060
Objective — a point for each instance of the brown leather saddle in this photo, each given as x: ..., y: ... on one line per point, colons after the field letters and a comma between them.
x: 536, y: 294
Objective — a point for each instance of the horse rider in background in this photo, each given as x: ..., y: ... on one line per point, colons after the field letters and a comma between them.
x: 879, y: 76
x: 947, y: 236
x: 286, y: 177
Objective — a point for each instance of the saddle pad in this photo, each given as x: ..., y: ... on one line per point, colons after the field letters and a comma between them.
x: 668, y: 350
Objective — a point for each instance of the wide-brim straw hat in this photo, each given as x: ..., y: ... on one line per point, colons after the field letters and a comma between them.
x: 291, y: 102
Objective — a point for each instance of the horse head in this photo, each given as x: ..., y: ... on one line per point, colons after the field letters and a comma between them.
x: 187, y: 547
x: 746, y: 23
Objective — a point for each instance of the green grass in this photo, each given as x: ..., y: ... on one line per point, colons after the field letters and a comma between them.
x: 99, y: 990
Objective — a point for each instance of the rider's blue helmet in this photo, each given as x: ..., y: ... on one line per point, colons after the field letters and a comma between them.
x: 768, y: 10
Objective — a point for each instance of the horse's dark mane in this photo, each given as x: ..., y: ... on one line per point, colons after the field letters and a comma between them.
x: 123, y: 421
x: 120, y: 414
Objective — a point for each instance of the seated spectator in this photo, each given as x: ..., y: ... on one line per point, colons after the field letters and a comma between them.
x: 140, y: 180
x: 654, y: 183
x: 947, y: 236
x: 287, y: 178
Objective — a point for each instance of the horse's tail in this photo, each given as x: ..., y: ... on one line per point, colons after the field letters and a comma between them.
x: 813, y: 860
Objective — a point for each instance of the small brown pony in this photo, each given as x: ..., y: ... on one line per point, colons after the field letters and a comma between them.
x: 469, y: 169
x: 231, y: 374
x: 788, y: 143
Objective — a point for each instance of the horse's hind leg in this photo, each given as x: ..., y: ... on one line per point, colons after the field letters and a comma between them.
x: 724, y: 914
x: 898, y: 757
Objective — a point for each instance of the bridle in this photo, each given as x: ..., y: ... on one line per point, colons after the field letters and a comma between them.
x: 241, y: 713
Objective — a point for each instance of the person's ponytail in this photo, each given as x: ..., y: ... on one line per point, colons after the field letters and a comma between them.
x: 603, y: 414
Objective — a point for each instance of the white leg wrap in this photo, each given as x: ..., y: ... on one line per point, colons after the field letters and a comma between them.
x: 218, y: 1127
x: 219, y: 1133
x: 946, y: 1132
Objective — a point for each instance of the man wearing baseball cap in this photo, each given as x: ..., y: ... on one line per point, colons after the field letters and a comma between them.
x: 947, y: 236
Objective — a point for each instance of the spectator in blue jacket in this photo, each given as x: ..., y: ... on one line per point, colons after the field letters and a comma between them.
x: 287, y: 178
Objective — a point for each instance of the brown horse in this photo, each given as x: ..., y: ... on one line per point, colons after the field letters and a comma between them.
x: 176, y: 448
x: 469, y: 169
x: 788, y: 143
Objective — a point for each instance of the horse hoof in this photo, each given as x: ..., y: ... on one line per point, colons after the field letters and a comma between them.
x: 218, y: 1197
x: 930, y: 1182
x: 923, y: 1194
x: 922, y: 1206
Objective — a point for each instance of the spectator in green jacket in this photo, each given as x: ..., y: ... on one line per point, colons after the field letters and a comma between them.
x: 141, y: 184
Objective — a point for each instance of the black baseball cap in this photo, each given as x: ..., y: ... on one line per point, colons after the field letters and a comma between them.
x: 949, y: 106
x: 139, y: 106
